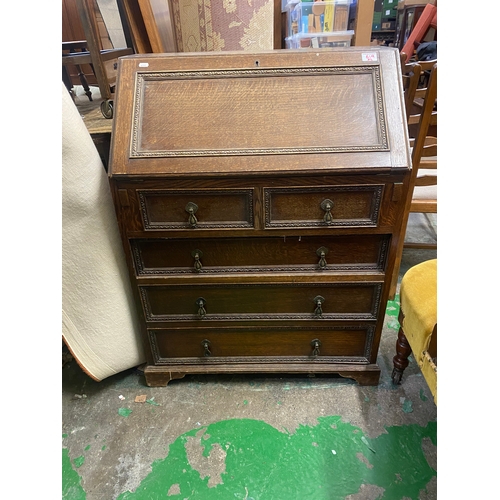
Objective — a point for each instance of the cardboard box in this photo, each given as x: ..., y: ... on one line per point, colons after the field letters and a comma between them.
x: 388, y: 25
x: 317, y: 41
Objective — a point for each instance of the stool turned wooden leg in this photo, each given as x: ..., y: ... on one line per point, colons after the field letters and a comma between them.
x: 83, y: 81
x: 403, y: 350
x: 67, y: 82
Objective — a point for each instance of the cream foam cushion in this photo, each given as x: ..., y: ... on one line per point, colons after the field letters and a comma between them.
x: 99, y: 322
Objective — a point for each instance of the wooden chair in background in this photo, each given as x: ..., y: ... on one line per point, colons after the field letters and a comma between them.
x: 424, y: 199
x: 421, y: 112
x: 424, y: 155
x: 103, y: 61
x: 75, y: 54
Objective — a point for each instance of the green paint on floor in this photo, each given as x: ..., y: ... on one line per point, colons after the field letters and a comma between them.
x: 392, y: 313
x: 243, y: 459
x: 365, y: 441
x: 408, y: 406
x: 71, y: 481
x: 78, y: 461
x: 124, y: 412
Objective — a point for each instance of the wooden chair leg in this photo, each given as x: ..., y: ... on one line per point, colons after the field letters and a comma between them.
x: 403, y: 350
x: 83, y: 81
x: 67, y: 82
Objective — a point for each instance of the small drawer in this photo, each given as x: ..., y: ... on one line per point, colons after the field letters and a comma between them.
x: 196, y: 209
x: 326, y: 206
x: 341, y: 344
x: 254, y: 255
x: 266, y: 301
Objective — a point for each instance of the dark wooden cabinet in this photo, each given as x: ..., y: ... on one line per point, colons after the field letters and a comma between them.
x: 260, y: 199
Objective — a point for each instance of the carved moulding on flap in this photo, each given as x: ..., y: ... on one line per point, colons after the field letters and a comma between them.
x: 143, y: 77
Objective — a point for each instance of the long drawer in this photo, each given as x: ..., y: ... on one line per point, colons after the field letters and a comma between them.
x: 325, y: 342
x: 253, y: 255
x: 325, y: 206
x: 263, y: 301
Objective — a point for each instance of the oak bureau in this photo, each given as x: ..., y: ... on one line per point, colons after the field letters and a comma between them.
x: 260, y: 199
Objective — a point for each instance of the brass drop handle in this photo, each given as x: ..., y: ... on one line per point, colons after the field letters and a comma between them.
x: 201, y: 303
x: 206, y: 347
x: 197, y: 254
x: 321, y: 253
x: 191, y: 209
x: 327, y: 206
x: 316, y: 344
x: 318, y: 300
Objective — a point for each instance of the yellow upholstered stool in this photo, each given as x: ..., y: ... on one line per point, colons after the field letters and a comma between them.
x: 418, y: 323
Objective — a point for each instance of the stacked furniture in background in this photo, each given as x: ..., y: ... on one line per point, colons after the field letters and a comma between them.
x: 417, y: 22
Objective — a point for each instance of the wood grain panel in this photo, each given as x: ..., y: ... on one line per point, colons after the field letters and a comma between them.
x: 214, y: 208
x: 249, y: 343
x: 261, y: 301
x: 255, y: 255
x: 249, y: 111
x: 304, y: 207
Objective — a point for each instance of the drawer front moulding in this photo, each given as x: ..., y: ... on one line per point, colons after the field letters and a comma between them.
x: 141, y: 270
x: 340, y: 287
x: 370, y: 331
x: 370, y: 221
x: 158, y: 226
